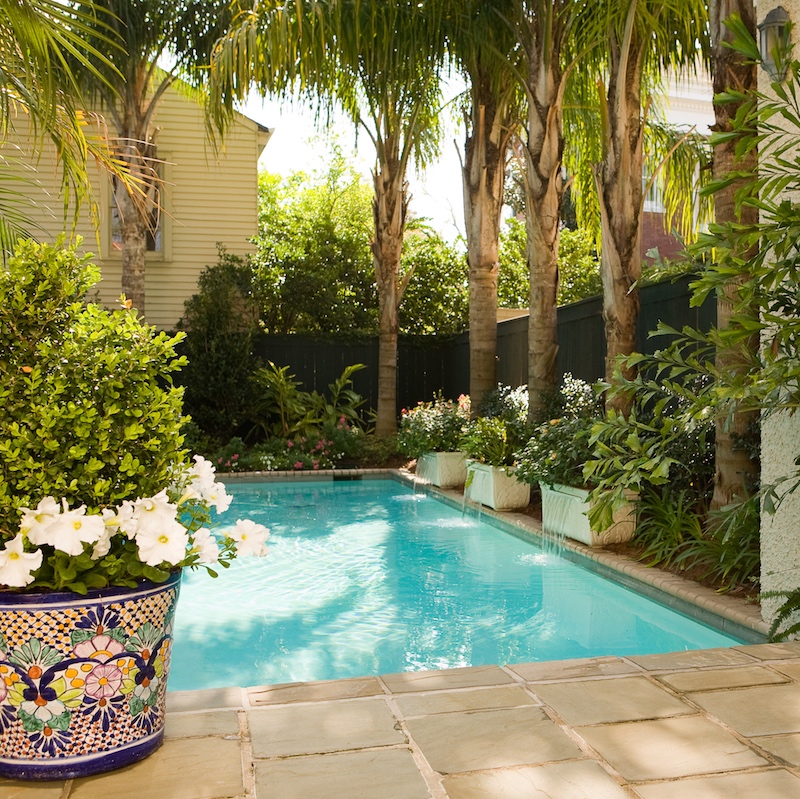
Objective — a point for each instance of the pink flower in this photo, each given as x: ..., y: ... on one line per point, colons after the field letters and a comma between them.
x: 99, y: 647
x: 298, y: 465
x: 103, y: 681
x: 235, y: 458
x: 316, y: 464
x: 290, y: 444
x: 219, y: 460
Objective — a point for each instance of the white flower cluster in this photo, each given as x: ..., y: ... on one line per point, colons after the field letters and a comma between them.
x: 153, y: 523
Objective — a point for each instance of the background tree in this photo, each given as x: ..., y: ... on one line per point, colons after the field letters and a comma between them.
x: 380, y: 62
x: 483, y: 47
x: 153, y: 33
x: 313, y: 268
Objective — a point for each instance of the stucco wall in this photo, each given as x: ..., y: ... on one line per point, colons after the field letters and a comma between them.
x: 209, y: 197
x: 780, y: 445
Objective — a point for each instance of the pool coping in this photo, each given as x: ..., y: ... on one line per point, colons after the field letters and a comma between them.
x: 731, y: 615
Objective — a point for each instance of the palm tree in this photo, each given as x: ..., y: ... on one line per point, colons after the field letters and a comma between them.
x: 37, y: 40
x: 643, y: 40
x: 164, y: 41
x: 483, y: 47
x: 380, y: 62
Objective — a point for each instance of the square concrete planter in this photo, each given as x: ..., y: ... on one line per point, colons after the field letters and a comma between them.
x: 443, y: 469
x: 496, y: 486
x: 565, y: 512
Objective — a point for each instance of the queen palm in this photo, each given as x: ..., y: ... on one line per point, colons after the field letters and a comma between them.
x: 163, y: 41
x: 37, y: 40
x: 482, y: 45
x: 379, y: 62
x: 643, y: 40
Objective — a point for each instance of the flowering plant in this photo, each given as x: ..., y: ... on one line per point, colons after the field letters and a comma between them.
x: 435, y: 426
x: 161, y: 532
x: 95, y: 489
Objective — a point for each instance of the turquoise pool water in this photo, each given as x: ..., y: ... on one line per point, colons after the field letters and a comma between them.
x: 370, y: 578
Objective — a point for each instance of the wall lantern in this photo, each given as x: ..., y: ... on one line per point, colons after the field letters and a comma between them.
x: 774, y: 44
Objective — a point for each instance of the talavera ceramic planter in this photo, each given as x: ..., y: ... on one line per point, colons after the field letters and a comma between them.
x: 83, y: 679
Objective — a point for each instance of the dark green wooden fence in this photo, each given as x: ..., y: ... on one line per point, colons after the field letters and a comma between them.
x: 432, y: 363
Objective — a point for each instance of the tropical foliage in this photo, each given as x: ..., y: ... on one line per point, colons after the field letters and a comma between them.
x: 435, y: 426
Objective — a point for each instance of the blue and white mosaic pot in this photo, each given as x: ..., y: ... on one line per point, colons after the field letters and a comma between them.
x: 83, y: 679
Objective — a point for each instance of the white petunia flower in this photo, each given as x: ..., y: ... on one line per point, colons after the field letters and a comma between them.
x: 153, y: 513
x: 219, y: 498
x: 16, y: 565
x: 103, y: 544
x: 71, y: 529
x: 120, y: 519
x: 34, y: 523
x: 249, y: 537
x: 206, y: 546
x: 165, y: 544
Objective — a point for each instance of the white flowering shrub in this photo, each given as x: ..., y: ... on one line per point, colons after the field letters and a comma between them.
x: 95, y: 488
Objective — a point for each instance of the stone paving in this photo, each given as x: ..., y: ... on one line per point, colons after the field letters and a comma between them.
x: 711, y: 724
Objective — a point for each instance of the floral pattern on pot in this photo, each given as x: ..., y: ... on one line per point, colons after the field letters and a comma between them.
x: 83, y: 679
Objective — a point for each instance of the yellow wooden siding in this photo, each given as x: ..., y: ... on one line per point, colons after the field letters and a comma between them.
x: 210, y: 197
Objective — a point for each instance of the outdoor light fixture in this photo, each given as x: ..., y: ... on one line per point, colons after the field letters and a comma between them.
x: 774, y: 43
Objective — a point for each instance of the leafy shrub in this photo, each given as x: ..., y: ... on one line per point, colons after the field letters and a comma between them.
x: 559, y: 447
x: 491, y: 440
x: 505, y: 402
x: 285, y: 410
x: 435, y: 426
x: 221, y: 321
x: 87, y: 409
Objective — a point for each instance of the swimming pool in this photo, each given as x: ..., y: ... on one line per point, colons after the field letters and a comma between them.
x: 368, y: 577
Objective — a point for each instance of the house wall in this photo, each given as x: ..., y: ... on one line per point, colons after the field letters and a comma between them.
x: 780, y: 445
x: 209, y: 197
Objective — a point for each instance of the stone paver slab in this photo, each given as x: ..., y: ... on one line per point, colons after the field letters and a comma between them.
x: 711, y: 679
x: 695, y: 659
x: 760, y: 785
x: 460, y: 701
x: 669, y: 748
x: 788, y: 649
x: 314, y: 691
x: 786, y: 747
x: 193, y: 725
x: 571, y: 669
x: 581, y: 779
x: 601, y: 701
x: 472, y: 677
x: 322, y: 727
x: 763, y: 710
x: 791, y: 670
x: 179, y: 701
x: 388, y: 774
x: 13, y: 789
x: 455, y: 742
x: 196, y: 768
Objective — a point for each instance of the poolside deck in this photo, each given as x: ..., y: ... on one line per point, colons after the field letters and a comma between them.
x: 710, y: 724
x: 691, y: 725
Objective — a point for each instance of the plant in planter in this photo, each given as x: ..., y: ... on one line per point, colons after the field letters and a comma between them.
x: 100, y: 509
x: 491, y: 477
x: 431, y: 432
x: 555, y: 458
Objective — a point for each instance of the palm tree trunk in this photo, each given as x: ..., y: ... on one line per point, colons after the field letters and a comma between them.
x: 736, y: 472
x: 133, y: 230
x: 389, y: 207
x: 483, y: 180
x: 619, y: 187
x: 544, y: 190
